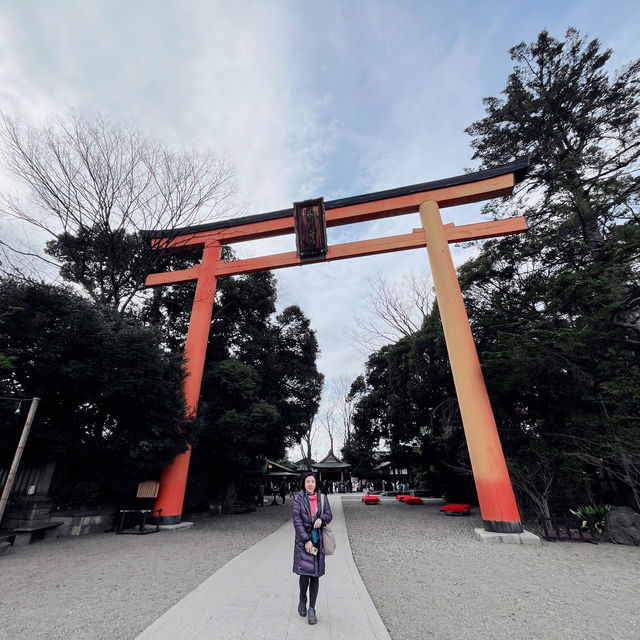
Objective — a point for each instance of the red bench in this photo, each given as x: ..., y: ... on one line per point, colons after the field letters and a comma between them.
x: 371, y: 499
x: 413, y: 500
x: 450, y: 509
x: 401, y: 497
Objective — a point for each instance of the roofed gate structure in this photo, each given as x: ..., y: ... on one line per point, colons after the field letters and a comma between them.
x: 308, y: 220
x: 331, y: 468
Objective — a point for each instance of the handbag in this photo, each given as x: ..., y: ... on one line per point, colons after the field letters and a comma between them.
x: 328, y: 539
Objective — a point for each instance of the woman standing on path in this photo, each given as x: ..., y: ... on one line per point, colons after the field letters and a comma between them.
x: 311, y: 511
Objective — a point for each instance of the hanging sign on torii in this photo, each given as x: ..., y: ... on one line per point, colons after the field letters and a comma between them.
x: 311, y: 229
x: 308, y: 220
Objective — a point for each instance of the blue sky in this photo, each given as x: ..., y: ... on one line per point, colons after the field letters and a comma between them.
x: 329, y: 99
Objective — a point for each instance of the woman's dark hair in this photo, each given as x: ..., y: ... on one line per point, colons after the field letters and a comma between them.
x: 305, y: 475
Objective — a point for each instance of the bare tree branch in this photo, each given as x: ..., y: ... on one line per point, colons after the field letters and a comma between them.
x: 306, y: 443
x: 92, y: 186
x: 393, y: 310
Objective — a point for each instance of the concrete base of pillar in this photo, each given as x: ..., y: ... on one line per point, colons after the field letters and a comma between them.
x: 490, y: 537
x: 176, y: 527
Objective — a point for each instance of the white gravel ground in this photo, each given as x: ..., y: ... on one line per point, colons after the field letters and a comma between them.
x: 108, y: 586
x: 430, y: 578
x: 427, y: 575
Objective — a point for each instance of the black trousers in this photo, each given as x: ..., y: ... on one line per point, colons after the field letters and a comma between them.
x: 307, y: 582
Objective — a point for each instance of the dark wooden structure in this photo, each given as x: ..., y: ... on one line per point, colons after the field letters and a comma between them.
x: 331, y: 468
x: 311, y: 228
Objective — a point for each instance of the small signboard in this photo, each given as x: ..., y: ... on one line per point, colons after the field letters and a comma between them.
x: 148, y: 489
x: 311, y: 229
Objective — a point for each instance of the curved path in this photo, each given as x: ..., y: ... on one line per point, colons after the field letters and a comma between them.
x: 252, y: 597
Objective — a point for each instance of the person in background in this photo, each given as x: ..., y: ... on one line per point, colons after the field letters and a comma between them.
x: 311, y: 511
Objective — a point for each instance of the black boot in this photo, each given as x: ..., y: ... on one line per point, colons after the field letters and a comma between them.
x: 302, y: 608
x: 312, y: 616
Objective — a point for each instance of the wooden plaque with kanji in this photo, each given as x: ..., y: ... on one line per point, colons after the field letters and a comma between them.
x: 310, y: 226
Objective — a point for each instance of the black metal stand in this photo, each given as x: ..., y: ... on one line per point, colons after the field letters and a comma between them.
x: 135, y: 521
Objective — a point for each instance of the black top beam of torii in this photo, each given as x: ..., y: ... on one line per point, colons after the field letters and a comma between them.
x: 518, y: 167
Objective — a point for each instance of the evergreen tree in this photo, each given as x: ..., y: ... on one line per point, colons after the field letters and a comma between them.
x: 406, y: 399
x: 6, y: 359
x: 111, y: 410
x: 261, y: 387
x: 556, y: 311
x: 580, y: 127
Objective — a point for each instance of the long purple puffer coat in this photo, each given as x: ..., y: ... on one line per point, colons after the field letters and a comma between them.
x: 305, y: 564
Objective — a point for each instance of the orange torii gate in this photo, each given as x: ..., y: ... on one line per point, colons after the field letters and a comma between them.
x: 309, y: 220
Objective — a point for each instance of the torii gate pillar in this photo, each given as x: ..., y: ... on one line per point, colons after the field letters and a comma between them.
x: 495, y: 493
x: 173, y: 481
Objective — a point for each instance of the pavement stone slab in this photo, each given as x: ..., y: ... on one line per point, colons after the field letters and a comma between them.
x: 255, y: 597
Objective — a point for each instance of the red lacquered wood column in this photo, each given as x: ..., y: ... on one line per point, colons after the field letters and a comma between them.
x: 495, y: 493
x: 173, y: 481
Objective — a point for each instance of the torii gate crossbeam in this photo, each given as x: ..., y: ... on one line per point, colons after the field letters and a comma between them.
x: 495, y: 493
